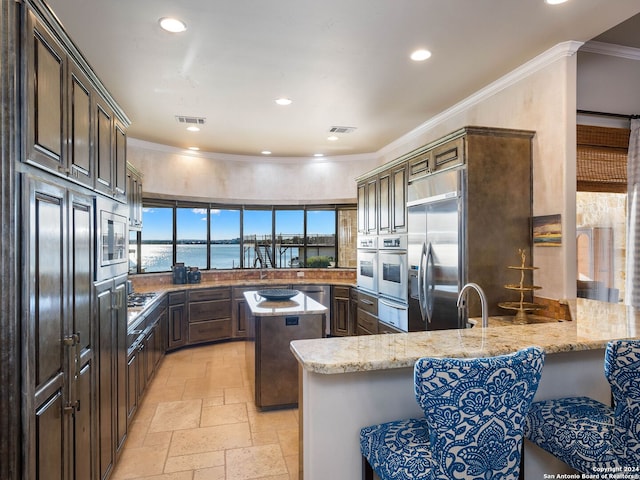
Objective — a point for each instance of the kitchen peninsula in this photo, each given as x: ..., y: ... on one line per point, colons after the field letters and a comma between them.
x: 274, y: 322
x: 351, y: 382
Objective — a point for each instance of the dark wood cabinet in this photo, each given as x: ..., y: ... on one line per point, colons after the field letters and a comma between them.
x: 341, y: 321
x: 368, y: 206
x: 367, y: 314
x: 209, y: 311
x: 178, y: 324
x: 59, y: 342
x: 134, y: 197
x: 73, y: 131
x: 111, y: 308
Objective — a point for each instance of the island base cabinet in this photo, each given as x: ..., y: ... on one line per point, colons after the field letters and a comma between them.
x: 275, y: 369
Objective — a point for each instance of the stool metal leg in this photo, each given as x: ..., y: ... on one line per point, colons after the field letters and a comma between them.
x: 367, y: 471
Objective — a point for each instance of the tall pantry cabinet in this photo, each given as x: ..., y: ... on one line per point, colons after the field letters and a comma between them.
x: 73, y: 235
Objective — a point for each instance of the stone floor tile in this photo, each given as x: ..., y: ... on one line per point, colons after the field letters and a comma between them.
x: 215, y: 473
x: 288, y: 440
x: 223, y: 414
x: 140, y: 462
x: 209, y: 439
x: 255, y: 462
x: 195, y: 461
x: 179, y: 415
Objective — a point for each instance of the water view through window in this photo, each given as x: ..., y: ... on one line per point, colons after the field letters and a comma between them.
x: 234, y: 237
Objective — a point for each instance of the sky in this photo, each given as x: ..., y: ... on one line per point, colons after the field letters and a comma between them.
x: 225, y: 224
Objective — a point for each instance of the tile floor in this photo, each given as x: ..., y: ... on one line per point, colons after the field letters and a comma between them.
x: 197, y: 421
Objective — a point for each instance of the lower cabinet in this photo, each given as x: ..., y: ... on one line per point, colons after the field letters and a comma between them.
x: 341, y: 320
x: 146, y: 350
x: 367, y: 314
x: 209, y: 311
x: 111, y: 307
x: 178, y: 326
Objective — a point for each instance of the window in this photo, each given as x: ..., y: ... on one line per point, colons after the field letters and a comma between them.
x: 156, y: 247
x: 257, y: 241
x: 191, y: 236
x: 211, y: 236
x: 289, y: 237
x: 225, y: 238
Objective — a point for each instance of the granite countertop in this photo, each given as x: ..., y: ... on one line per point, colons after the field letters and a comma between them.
x: 300, y: 304
x: 594, y: 324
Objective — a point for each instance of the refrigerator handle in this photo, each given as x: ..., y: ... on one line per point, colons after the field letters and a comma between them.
x: 421, y: 280
x: 429, y: 284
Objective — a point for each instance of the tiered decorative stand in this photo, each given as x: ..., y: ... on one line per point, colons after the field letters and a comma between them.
x: 522, y: 307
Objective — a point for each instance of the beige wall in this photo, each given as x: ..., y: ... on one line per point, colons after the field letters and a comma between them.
x: 539, y: 96
x: 239, y: 179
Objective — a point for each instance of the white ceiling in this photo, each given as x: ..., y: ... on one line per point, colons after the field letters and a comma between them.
x: 342, y: 62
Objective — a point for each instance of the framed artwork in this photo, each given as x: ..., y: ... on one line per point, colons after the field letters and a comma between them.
x: 547, y: 231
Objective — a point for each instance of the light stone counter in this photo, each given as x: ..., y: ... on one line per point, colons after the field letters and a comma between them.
x: 349, y: 383
x: 300, y: 304
x: 595, y: 324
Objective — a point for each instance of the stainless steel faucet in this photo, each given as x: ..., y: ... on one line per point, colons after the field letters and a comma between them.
x: 263, y: 274
x: 462, y: 303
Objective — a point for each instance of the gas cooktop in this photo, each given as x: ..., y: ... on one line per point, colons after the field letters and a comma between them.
x: 139, y: 299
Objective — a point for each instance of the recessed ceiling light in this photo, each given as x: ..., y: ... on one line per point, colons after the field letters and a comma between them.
x: 318, y: 154
x: 193, y: 128
x: 554, y: 2
x: 172, y: 25
x: 332, y: 138
x: 195, y: 149
x: 420, y: 55
x: 284, y: 101
x: 266, y: 152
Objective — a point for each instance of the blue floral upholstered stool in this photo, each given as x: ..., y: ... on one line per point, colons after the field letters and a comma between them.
x: 587, y: 435
x: 474, y: 410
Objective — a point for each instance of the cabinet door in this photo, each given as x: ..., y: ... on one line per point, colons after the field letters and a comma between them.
x: 107, y: 377
x: 239, y: 318
x: 45, y: 329
x: 120, y: 352
x: 83, y: 353
x: 372, y: 206
x: 362, y: 208
x: 80, y: 108
x: 384, y: 196
x: 340, y: 311
x: 46, y: 81
x: 132, y: 382
x: 105, y: 181
x: 398, y: 204
x: 178, y: 326
x: 120, y: 161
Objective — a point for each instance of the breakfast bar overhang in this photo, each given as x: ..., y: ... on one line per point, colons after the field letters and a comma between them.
x: 351, y: 382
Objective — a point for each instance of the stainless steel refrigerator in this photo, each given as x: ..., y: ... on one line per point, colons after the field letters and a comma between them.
x: 466, y: 224
x: 435, y: 252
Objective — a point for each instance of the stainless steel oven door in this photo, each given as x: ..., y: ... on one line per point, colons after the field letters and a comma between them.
x: 394, y: 314
x: 392, y: 275
x: 367, y: 275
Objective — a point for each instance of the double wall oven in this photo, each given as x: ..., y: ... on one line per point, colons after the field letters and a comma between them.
x: 392, y: 281
x: 367, y: 256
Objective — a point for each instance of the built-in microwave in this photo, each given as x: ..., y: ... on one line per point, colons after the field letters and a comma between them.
x: 112, y: 237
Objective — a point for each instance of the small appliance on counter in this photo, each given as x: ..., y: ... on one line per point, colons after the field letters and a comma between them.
x: 179, y: 274
x: 194, y: 275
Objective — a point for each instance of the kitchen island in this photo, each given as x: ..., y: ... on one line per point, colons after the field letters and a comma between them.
x: 271, y: 326
x: 351, y: 382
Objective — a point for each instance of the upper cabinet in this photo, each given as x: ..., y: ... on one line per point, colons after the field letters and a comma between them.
x: 74, y: 129
x: 368, y: 206
x: 134, y: 197
x: 382, y: 202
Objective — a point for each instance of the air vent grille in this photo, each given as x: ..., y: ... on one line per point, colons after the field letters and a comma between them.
x: 338, y: 129
x: 190, y: 120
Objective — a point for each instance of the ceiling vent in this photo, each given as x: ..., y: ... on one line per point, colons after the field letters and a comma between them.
x: 190, y: 120
x: 341, y: 129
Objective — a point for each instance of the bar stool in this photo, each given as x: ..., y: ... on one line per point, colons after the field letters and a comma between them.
x: 473, y: 425
x: 587, y: 435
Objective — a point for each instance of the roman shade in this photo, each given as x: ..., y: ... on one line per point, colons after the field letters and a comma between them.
x: 601, y: 163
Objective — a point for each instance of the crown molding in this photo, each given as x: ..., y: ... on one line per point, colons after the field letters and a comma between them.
x: 550, y: 56
x: 611, y: 49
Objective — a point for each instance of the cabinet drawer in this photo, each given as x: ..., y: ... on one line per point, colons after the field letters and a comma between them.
x: 367, y: 321
x: 209, y: 331
x: 210, y: 294
x: 209, y: 310
x: 451, y: 154
x: 368, y: 303
x: 341, y: 292
x: 386, y: 328
x: 177, y: 297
